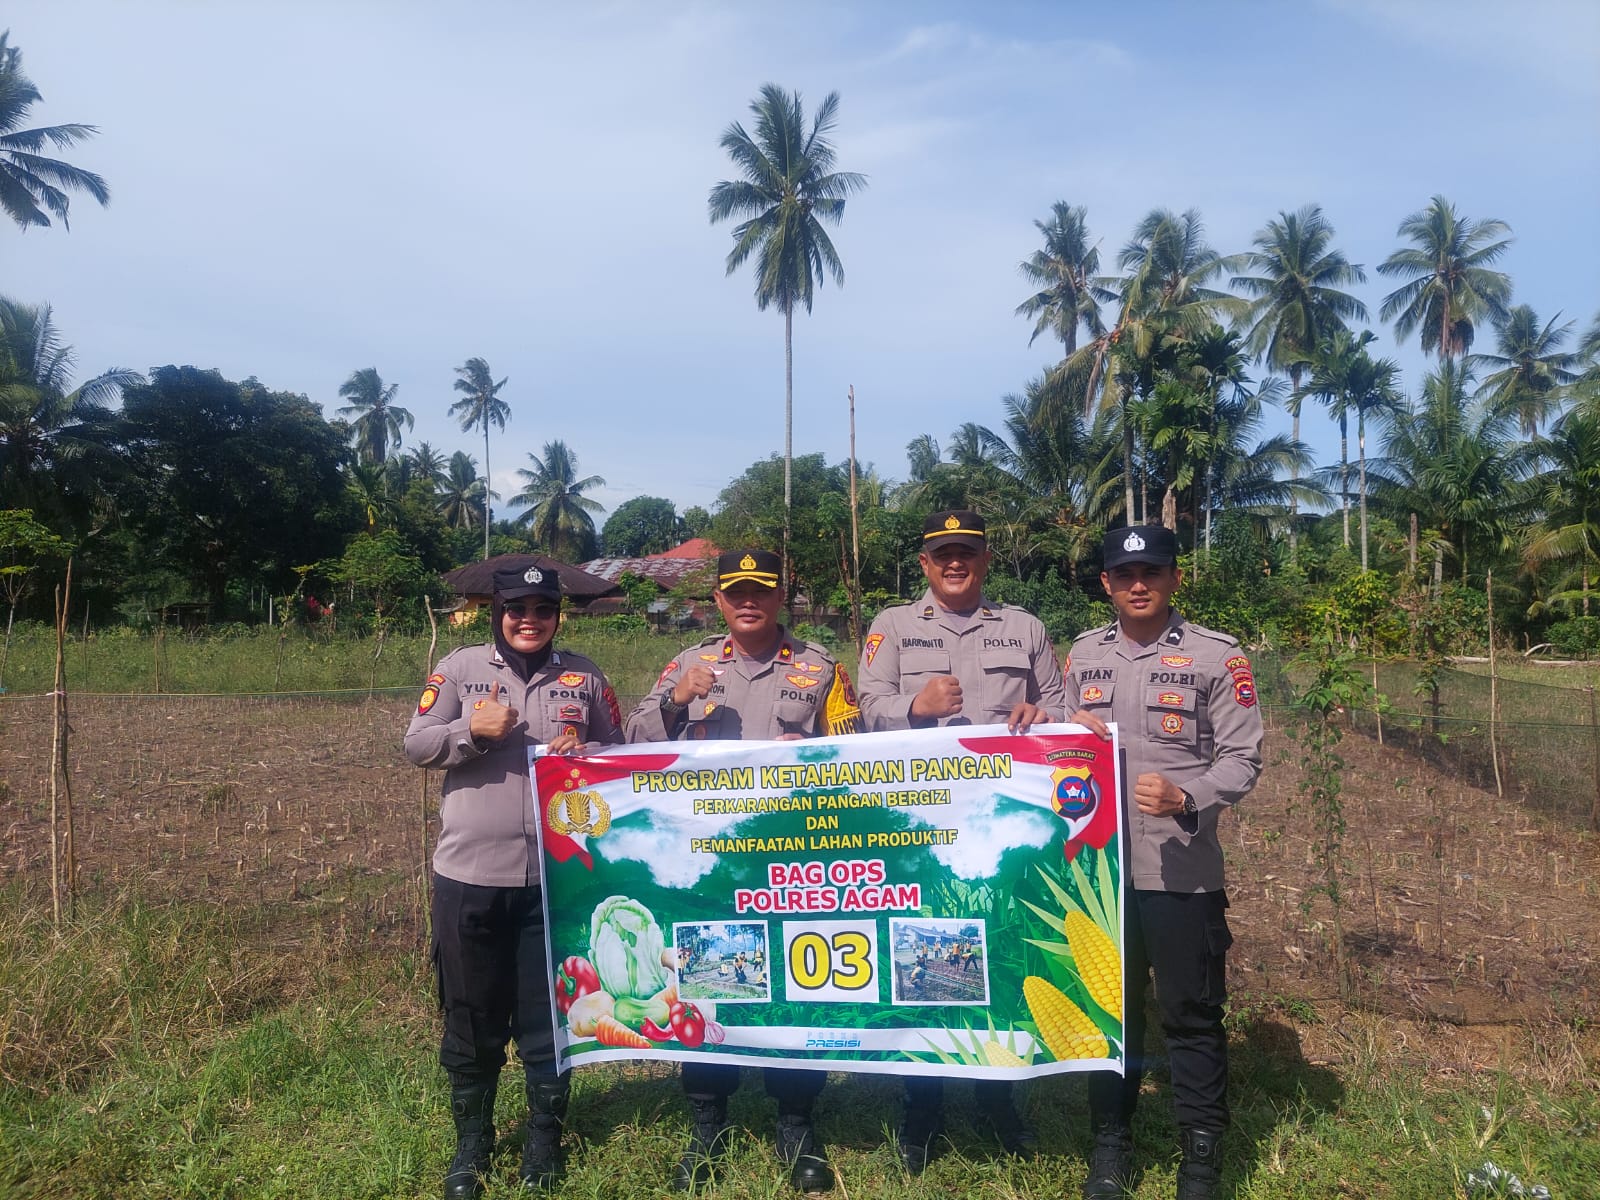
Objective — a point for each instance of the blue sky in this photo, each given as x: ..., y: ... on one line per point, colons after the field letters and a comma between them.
x: 301, y: 190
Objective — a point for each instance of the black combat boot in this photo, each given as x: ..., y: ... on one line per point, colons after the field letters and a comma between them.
x: 1110, y: 1162
x: 920, y: 1129
x: 541, y: 1147
x: 994, y: 1098
x: 472, y: 1109
x: 1201, y: 1169
x: 803, y: 1151
x: 707, y: 1143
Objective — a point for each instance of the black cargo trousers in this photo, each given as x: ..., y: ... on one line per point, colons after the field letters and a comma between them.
x: 493, y: 980
x: 1183, y: 938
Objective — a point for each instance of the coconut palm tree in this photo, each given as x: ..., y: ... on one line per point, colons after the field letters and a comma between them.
x: 428, y: 463
x: 1567, y: 492
x: 480, y: 405
x: 1449, y: 285
x: 1457, y: 465
x: 788, y: 191
x: 30, y: 183
x: 378, y: 419
x: 1065, y: 272
x: 1162, y: 299
x: 1296, y: 299
x: 558, y: 511
x: 54, y: 437
x: 1530, y: 371
x: 461, y: 494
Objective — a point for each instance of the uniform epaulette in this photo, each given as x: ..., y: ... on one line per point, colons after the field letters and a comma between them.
x: 1103, y: 632
x: 715, y: 637
x: 1216, y: 635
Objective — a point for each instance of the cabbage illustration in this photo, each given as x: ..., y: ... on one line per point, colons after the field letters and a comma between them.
x: 625, y: 945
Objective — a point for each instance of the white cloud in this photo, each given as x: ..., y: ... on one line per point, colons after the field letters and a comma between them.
x: 659, y: 846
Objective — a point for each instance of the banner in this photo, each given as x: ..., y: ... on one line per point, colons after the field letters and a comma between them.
x: 942, y: 902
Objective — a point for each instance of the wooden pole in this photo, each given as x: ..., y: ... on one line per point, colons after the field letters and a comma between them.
x: 427, y: 932
x: 1494, y: 691
x: 855, y: 532
x: 1594, y: 730
x: 63, y: 853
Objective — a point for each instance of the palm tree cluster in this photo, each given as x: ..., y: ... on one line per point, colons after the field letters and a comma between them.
x: 1154, y: 410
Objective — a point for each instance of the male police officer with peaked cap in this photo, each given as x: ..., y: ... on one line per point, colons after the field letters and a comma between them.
x: 1184, y: 701
x: 756, y: 682
x: 955, y: 657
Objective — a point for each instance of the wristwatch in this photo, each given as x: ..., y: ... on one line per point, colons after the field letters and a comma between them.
x: 1190, y: 808
x: 671, y: 710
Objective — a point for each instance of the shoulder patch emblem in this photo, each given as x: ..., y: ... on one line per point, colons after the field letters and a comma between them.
x: 1237, y: 662
x: 873, y: 642
x: 802, y: 681
x: 571, y: 678
x: 1244, y: 691
x: 1177, y: 660
x: 610, y: 697
x: 1091, y: 694
x: 436, y: 678
x: 666, y: 671
x: 927, y: 610
x: 1171, y: 723
x: 430, y: 695
x: 1173, y: 698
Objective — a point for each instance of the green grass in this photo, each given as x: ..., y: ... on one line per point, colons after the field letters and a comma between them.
x: 181, y: 1052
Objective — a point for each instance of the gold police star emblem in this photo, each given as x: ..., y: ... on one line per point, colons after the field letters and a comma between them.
x: 952, y: 523
x: 747, y: 563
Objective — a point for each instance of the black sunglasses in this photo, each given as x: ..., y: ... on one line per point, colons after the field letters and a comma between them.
x: 540, y: 612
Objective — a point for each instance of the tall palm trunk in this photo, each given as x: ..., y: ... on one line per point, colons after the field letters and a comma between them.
x: 788, y: 433
x: 1127, y: 462
x: 1344, y: 473
x: 486, y: 486
x: 1361, y: 449
x: 1294, y: 501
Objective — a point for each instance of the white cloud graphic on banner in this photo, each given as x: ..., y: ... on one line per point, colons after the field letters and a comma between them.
x: 659, y: 846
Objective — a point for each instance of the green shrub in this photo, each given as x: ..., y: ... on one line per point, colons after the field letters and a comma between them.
x: 1578, y: 637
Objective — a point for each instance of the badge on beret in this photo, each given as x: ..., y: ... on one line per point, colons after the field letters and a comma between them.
x: 533, y: 575
x: 952, y: 522
x: 747, y: 563
x: 1133, y: 543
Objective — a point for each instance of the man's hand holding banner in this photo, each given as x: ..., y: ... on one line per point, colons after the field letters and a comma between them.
x: 937, y: 901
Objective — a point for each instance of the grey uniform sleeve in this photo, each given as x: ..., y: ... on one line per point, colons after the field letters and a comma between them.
x: 440, y: 734
x: 1236, y: 738
x: 605, y: 722
x: 1047, y: 677
x: 646, y: 723
x: 882, y: 704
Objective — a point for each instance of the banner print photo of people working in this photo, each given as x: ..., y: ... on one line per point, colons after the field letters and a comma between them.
x: 941, y: 901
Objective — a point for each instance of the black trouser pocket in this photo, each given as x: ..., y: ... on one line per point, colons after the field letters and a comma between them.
x: 1218, y: 938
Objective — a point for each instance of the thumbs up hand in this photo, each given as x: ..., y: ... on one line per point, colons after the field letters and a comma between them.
x: 491, y: 719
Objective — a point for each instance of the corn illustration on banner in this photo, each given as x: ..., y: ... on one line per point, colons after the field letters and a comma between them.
x: 942, y: 902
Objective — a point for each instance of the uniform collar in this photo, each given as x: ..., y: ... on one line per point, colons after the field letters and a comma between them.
x: 928, y: 608
x: 782, y: 657
x: 1173, y: 635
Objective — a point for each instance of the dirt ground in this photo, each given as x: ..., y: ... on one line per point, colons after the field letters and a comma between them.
x: 1457, y: 908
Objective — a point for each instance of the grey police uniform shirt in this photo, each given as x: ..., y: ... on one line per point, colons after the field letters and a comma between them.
x: 488, y: 817
x: 800, y: 689
x: 1186, y: 707
x: 1002, y: 658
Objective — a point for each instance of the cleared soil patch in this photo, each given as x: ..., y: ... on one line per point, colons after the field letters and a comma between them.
x: 1459, y: 907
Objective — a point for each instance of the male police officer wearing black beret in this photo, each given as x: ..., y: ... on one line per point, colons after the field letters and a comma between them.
x: 756, y: 682
x: 1184, y: 701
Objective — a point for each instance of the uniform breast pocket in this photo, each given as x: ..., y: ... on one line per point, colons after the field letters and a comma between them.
x: 705, y: 720
x: 1170, y: 715
x: 1095, y: 696
x: 560, y: 716
x: 924, y: 662
x: 1006, y: 675
x: 793, y: 716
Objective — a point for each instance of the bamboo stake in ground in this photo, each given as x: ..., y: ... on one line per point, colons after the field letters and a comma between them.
x: 63, y: 863
x: 1594, y: 729
x: 855, y: 532
x: 1494, y: 690
x: 427, y: 932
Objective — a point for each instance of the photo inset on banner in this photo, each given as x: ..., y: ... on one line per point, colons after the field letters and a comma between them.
x: 939, y: 960
x: 723, y: 960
